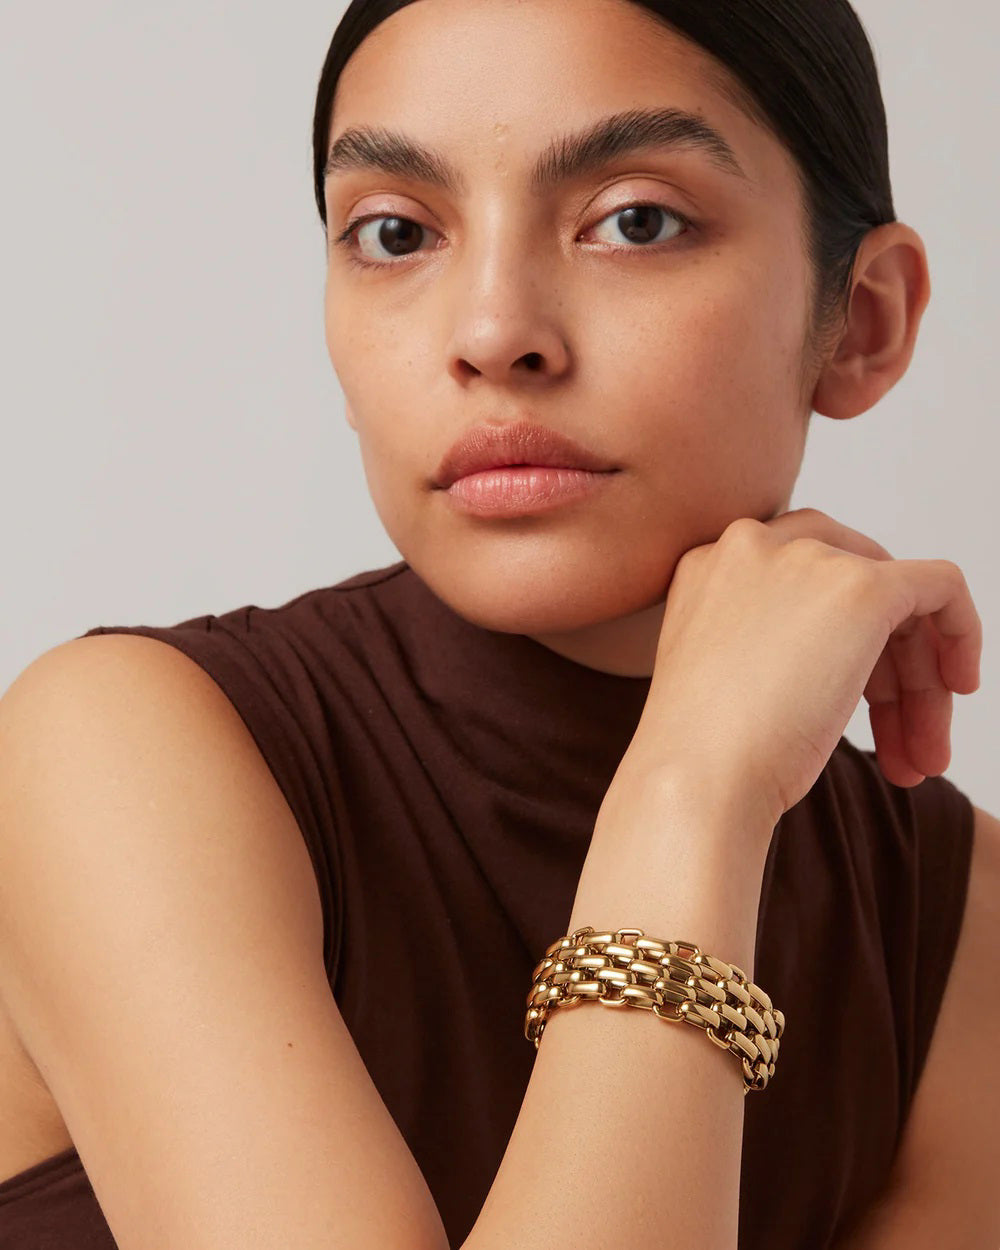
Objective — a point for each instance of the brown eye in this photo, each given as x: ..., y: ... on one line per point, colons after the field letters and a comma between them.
x: 644, y: 223
x: 398, y: 235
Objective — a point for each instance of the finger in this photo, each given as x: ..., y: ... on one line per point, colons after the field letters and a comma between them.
x: 885, y: 716
x: 925, y: 702
x: 890, y: 747
x: 811, y: 523
x: 954, y: 613
x: 938, y: 589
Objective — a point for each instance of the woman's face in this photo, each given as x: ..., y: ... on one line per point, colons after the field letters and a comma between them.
x: 674, y: 351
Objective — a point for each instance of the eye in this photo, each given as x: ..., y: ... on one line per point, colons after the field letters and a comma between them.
x: 395, y: 234
x: 641, y: 223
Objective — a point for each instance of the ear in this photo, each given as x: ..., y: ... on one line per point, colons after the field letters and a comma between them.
x: 890, y: 290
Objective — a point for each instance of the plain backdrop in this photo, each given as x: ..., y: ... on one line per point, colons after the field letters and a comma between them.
x: 174, y: 440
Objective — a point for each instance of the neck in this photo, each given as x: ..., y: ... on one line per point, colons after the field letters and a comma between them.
x: 625, y: 647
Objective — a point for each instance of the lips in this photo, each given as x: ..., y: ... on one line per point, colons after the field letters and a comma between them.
x: 489, y: 446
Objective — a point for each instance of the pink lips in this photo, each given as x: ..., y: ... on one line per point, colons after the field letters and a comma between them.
x: 522, y: 490
x: 522, y: 443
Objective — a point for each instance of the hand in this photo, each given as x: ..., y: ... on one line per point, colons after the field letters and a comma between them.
x: 773, y: 633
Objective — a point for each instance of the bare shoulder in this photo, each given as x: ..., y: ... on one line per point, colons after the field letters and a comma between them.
x: 135, y: 672
x: 161, y: 957
x: 129, y: 719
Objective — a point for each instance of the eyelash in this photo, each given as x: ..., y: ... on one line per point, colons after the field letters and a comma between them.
x: 348, y: 241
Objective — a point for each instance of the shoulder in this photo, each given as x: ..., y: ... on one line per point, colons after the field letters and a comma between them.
x: 99, y: 727
x: 127, y: 671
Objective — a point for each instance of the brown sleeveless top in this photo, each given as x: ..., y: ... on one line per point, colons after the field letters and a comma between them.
x: 446, y: 779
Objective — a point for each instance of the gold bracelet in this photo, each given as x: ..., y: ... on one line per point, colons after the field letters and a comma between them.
x: 667, y: 978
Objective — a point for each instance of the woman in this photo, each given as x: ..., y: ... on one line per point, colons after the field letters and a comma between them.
x: 274, y: 892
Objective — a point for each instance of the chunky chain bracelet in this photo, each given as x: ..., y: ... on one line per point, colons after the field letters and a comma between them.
x: 673, y: 979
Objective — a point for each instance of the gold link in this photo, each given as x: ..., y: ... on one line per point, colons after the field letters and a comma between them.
x: 755, y: 1018
x: 611, y: 999
x: 712, y: 1036
x: 683, y: 966
x: 707, y: 993
x: 686, y: 950
x: 565, y: 978
x: 616, y: 975
x: 736, y: 989
x: 672, y: 992
x: 589, y: 989
x: 665, y: 1013
x: 644, y: 969
x: 701, y: 1016
x: 589, y: 961
x: 745, y: 1046
x: 718, y: 966
x: 639, y: 996
x: 617, y: 950
x: 735, y: 1018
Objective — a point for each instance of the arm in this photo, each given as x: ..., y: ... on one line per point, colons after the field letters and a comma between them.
x: 619, y: 1099
x: 161, y: 959
x: 770, y: 637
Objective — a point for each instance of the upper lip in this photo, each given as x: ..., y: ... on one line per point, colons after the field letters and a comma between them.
x: 489, y: 446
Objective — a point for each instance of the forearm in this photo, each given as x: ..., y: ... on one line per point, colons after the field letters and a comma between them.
x: 630, y: 1131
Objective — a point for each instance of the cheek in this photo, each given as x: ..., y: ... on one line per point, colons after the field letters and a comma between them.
x: 731, y: 353
x: 711, y: 376
x: 346, y: 342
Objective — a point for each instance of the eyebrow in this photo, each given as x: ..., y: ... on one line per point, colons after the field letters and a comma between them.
x: 567, y: 157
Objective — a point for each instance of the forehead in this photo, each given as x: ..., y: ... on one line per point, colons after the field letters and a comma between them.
x: 499, y: 80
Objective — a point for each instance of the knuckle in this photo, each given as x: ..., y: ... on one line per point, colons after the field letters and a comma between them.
x: 743, y: 531
x: 861, y: 576
x: 954, y: 571
x: 808, y: 548
x: 842, y: 571
x: 689, y: 562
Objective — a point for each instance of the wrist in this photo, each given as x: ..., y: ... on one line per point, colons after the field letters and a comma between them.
x: 717, y: 805
x: 680, y: 856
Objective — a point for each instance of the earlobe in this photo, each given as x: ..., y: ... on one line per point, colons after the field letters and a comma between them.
x: 891, y: 290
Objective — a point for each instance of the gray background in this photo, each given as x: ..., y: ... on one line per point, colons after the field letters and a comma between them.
x: 173, y: 432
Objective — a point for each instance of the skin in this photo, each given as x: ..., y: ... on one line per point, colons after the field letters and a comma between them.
x: 693, y: 367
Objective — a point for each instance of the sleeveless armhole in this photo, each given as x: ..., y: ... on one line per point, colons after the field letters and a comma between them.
x: 266, y: 677
x: 920, y: 846
x: 944, y: 827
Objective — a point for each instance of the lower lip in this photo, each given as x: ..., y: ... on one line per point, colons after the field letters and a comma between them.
x: 522, y: 490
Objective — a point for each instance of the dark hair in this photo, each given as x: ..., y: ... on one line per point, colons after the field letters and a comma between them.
x: 803, y: 69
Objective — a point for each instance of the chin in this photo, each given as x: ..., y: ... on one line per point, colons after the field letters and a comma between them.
x: 515, y: 595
